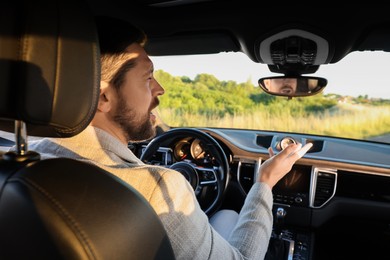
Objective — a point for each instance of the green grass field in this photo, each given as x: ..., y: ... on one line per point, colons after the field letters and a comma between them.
x: 344, y: 120
x: 209, y: 102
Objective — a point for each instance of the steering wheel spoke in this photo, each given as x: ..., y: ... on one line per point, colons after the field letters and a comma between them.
x: 207, y: 176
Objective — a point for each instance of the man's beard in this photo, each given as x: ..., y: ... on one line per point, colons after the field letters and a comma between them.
x: 136, y: 130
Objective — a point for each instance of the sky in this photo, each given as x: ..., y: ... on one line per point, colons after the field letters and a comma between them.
x: 357, y: 74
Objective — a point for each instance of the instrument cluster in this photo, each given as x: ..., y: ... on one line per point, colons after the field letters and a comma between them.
x: 192, y: 150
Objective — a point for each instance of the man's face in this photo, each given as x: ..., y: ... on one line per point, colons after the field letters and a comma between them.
x: 282, y: 85
x: 137, y: 97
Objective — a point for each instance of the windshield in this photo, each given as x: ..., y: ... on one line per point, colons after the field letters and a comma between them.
x: 221, y: 90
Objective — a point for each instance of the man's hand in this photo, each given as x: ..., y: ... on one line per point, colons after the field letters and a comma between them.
x: 273, y: 169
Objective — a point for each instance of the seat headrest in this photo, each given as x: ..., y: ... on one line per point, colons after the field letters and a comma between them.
x: 49, y: 66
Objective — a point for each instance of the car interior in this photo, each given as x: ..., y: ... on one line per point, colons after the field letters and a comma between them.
x: 333, y: 204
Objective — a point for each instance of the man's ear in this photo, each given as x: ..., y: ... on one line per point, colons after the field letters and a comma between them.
x: 105, y: 97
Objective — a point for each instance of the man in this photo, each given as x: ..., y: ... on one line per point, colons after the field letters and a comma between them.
x: 281, y: 85
x: 128, y: 94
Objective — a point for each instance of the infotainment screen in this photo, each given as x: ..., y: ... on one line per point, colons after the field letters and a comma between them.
x: 296, y: 181
x: 294, y: 188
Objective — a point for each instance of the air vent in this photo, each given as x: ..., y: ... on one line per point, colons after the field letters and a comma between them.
x: 325, y: 186
x: 264, y: 140
x: 246, y: 175
x: 318, y: 145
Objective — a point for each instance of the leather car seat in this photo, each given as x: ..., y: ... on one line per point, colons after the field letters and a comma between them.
x: 49, y: 86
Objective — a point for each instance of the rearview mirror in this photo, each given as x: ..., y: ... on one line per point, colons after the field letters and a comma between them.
x: 290, y: 86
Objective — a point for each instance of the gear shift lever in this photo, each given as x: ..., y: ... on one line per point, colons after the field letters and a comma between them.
x: 279, y: 221
x: 278, y: 248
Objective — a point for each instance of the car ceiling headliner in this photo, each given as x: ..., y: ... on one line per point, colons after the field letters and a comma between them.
x: 212, y: 26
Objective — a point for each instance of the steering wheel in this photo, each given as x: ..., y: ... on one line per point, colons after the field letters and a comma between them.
x: 208, y: 181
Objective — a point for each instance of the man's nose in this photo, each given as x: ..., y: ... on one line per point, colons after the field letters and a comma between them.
x: 158, y: 89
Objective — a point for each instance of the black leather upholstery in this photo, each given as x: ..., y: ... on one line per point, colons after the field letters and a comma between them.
x: 48, y: 54
x: 61, y: 208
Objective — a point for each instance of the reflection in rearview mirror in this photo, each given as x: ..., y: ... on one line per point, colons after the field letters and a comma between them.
x: 292, y: 86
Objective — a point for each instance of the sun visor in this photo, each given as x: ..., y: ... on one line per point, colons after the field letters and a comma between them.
x: 196, y: 43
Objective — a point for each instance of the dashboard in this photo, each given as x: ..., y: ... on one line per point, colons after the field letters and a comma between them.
x: 336, y: 198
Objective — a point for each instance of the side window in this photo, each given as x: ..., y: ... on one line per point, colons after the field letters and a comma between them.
x: 6, y: 140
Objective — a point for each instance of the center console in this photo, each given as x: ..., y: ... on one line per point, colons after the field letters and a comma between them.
x: 300, y: 191
x: 293, y: 195
x: 288, y: 243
